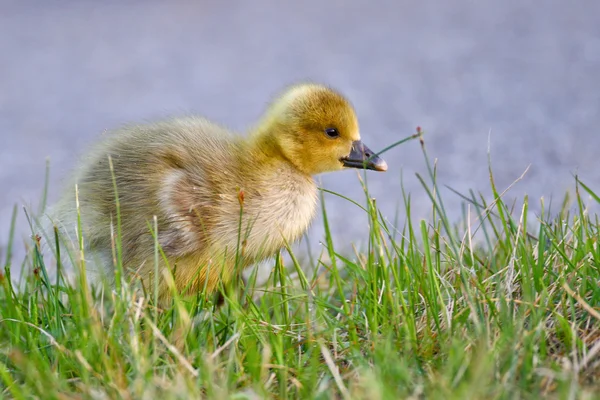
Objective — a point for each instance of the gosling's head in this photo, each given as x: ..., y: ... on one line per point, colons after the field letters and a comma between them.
x: 316, y: 129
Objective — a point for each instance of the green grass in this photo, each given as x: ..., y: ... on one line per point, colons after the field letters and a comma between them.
x: 490, y: 308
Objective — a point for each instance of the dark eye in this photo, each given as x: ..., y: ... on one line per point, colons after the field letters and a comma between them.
x: 332, y: 132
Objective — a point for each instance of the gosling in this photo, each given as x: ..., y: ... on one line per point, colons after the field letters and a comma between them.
x: 220, y: 201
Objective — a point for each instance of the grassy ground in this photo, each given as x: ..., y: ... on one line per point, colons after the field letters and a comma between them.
x: 423, y: 312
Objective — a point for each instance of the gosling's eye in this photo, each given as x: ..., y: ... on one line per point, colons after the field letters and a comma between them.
x: 332, y: 133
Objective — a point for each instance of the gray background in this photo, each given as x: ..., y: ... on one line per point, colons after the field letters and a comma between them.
x: 524, y: 73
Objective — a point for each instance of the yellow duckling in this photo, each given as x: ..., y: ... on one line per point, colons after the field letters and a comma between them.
x: 222, y: 201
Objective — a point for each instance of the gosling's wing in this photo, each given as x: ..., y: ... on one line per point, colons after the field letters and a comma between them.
x: 185, y: 204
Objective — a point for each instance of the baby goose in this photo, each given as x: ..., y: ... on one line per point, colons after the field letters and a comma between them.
x: 221, y: 201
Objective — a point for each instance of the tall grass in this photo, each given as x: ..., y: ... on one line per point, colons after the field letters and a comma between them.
x: 488, y: 308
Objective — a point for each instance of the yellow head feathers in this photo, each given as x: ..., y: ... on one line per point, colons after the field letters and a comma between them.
x: 315, y: 129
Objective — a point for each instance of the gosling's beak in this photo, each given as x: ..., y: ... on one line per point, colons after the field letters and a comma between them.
x: 362, y: 157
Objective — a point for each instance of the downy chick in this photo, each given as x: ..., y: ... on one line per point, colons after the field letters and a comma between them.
x: 221, y: 201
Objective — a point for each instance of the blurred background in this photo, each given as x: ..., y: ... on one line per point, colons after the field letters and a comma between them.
x: 523, y: 74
